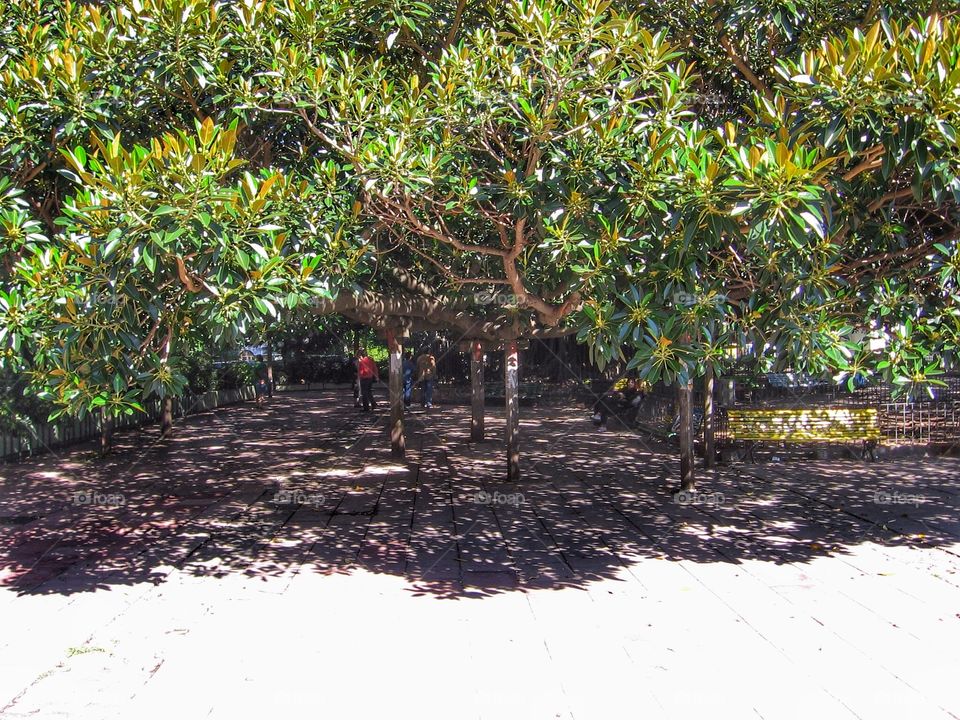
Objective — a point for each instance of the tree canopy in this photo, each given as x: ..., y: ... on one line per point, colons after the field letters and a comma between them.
x: 695, y: 182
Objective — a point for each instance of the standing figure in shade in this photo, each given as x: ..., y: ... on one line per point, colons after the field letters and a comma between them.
x: 426, y: 374
x: 409, y: 369
x: 368, y: 372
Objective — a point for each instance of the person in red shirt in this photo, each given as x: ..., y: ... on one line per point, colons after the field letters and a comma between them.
x: 368, y: 372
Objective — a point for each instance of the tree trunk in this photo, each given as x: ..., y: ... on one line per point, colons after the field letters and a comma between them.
x: 511, y: 398
x: 398, y: 442
x: 684, y: 401
x: 709, y: 453
x: 106, y: 432
x: 166, y: 414
x: 476, y: 392
x: 269, y: 369
x: 166, y: 417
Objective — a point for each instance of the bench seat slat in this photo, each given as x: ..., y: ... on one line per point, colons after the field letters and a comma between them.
x: 805, y: 424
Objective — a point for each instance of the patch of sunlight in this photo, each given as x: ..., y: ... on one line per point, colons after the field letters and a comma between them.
x: 782, y: 524
x: 284, y: 543
x: 335, y: 472
x: 383, y: 469
x: 729, y: 529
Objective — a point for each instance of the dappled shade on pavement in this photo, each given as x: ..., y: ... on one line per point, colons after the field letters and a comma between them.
x: 308, y: 485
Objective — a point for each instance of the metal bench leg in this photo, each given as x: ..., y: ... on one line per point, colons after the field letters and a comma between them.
x: 747, y: 453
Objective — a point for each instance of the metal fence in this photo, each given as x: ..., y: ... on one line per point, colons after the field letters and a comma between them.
x: 921, y: 422
x: 52, y: 436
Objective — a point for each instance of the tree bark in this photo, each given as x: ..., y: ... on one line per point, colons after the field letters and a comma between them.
x: 166, y: 417
x: 684, y: 401
x: 511, y: 399
x: 708, y: 439
x: 398, y: 442
x: 476, y: 392
x: 269, y: 369
x: 428, y: 314
x: 106, y: 432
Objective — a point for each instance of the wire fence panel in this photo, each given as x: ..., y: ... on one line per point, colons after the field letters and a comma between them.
x: 52, y: 436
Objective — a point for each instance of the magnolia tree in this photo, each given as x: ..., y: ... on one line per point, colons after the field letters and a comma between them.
x: 670, y: 182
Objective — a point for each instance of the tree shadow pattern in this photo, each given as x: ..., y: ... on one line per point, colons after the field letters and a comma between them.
x: 308, y: 485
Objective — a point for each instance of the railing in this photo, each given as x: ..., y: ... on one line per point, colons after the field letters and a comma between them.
x: 921, y: 422
x: 51, y: 436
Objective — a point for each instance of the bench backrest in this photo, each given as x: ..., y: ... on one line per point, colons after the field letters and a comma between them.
x: 804, y: 424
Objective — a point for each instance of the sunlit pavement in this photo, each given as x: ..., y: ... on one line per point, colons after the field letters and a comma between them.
x: 279, y: 561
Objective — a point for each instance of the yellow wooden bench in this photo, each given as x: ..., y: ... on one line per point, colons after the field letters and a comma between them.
x: 805, y: 425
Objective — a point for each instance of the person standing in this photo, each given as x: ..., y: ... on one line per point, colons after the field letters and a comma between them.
x: 409, y: 369
x: 426, y: 374
x: 368, y: 372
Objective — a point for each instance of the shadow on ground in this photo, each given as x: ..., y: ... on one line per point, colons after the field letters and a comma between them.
x: 308, y: 485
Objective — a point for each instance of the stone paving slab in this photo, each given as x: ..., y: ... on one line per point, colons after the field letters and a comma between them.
x: 428, y: 587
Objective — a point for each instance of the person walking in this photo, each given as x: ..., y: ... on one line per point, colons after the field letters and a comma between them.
x: 426, y: 374
x: 409, y: 370
x: 368, y: 373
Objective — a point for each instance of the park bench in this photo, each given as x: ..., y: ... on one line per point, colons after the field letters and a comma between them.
x: 795, y: 425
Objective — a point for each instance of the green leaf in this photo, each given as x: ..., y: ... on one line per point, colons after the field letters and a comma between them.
x: 148, y: 259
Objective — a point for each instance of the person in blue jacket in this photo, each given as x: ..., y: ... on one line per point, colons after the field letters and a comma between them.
x: 409, y: 368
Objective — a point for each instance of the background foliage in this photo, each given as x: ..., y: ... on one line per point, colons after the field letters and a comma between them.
x: 672, y: 181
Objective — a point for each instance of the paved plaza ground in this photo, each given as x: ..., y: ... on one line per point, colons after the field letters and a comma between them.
x: 279, y: 563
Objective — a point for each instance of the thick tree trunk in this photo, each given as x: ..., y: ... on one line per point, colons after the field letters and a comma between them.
x: 684, y: 402
x: 269, y: 369
x: 398, y: 443
x: 709, y: 452
x: 429, y: 315
x: 476, y: 392
x: 166, y: 412
x: 106, y: 433
x: 511, y: 396
x: 166, y: 417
